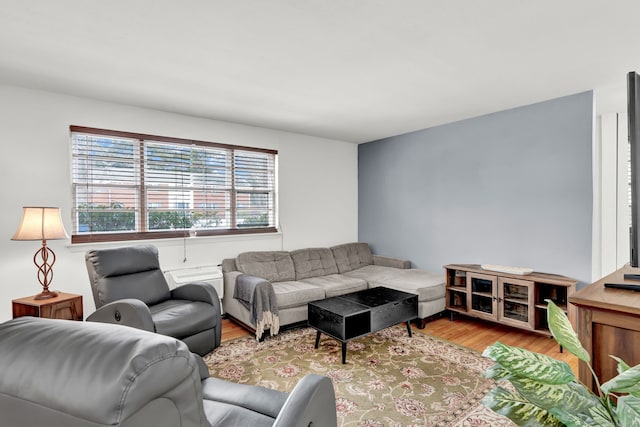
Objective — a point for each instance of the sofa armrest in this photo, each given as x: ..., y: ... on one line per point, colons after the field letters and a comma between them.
x: 233, y: 278
x: 228, y: 264
x: 202, y: 292
x: 311, y: 402
x: 197, y: 291
x: 230, y: 282
x: 127, y: 312
x: 386, y: 261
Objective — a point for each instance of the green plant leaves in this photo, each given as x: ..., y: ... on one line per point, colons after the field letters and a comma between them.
x: 626, y: 382
x: 497, y: 373
x: 571, y: 419
x: 601, y: 417
x: 571, y: 397
x: 526, y: 364
x: 563, y: 332
x: 546, y: 392
x: 517, y: 409
x: 629, y: 411
x: 622, y: 365
x: 569, y: 403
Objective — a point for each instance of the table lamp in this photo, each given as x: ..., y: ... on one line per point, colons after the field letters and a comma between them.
x: 42, y: 223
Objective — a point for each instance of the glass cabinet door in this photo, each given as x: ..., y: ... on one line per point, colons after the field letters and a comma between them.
x: 483, y: 295
x: 515, y: 302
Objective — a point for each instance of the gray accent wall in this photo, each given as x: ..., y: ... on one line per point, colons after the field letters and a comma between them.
x: 512, y: 188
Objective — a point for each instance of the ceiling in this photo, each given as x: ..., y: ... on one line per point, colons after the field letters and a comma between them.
x: 352, y: 70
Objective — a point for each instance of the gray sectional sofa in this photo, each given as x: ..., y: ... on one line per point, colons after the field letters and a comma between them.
x: 301, y: 276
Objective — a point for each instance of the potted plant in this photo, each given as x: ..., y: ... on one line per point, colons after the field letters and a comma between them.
x: 545, y: 391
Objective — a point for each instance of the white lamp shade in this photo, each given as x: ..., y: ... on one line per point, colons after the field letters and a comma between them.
x: 40, y: 223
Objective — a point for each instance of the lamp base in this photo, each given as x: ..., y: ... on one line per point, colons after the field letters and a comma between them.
x: 45, y: 295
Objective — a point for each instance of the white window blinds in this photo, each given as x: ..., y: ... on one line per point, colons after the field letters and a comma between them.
x: 131, y: 186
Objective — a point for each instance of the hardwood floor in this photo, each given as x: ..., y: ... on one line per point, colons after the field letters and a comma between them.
x: 231, y: 330
x: 478, y: 335
x: 468, y: 332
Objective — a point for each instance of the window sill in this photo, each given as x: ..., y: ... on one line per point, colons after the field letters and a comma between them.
x: 176, y: 241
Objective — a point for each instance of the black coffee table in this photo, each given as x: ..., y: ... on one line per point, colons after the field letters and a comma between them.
x: 353, y: 315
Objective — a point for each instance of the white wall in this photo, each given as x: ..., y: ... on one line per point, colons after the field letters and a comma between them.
x: 615, y: 213
x: 318, y: 189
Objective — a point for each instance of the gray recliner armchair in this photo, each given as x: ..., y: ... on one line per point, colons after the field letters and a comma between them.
x: 63, y: 373
x: 130, y: 289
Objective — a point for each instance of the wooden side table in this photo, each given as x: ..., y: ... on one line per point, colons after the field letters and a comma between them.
x: 64, y: 306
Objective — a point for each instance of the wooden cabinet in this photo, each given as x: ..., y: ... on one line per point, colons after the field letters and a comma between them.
x: 514, y: 300
x: 608, y: 324
x: 64, y: 306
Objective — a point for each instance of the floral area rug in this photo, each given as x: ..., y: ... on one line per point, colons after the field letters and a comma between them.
x: 389, y: 379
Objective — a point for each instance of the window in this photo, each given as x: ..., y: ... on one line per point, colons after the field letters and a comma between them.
x: 130, y: 186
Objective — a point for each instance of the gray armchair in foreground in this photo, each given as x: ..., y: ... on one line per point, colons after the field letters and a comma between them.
x: 130, y: 289
x: 63, y: 373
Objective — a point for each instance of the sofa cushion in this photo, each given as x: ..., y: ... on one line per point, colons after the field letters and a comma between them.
x: 351, y: 256
x: 428, y: 286
x: 222, y: 413
x: 275, y: 266
x: 194, y: 317
x: 149, y: 287
x: 113, y: 262
x: 252, y: 398
x: 313, y: 262
x: 127, y: 272
x: 293, y: 294
x: 337, y: 284
x: 373, y: 273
